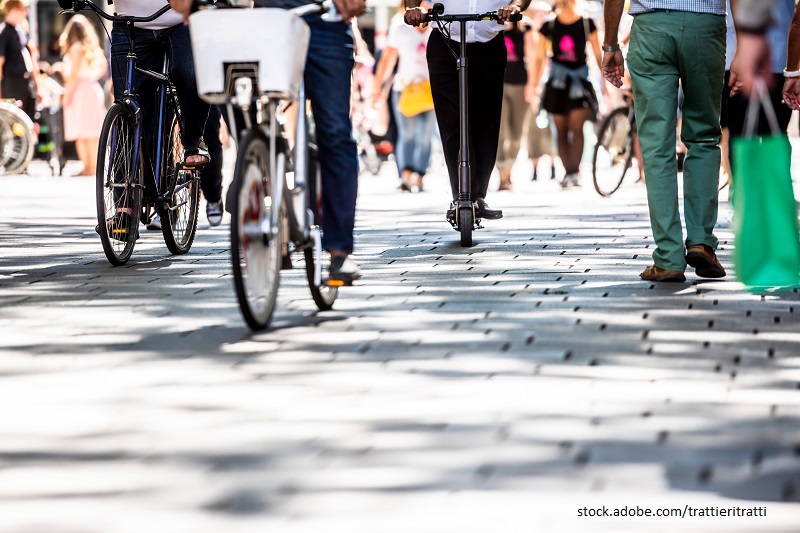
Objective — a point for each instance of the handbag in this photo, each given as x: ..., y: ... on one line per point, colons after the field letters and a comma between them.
x: 767, y: 252
x: 415, y: 98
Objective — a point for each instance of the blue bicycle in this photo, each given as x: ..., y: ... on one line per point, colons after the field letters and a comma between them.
x: 124, y: 196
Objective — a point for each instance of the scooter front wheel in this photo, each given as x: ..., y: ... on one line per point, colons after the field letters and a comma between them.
x: 466, y: 223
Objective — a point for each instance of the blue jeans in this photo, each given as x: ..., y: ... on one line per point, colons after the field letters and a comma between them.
x: 414, y: 139
x: 327, y: 83
x: 150, y: 48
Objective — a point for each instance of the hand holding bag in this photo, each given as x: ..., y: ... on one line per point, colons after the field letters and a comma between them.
x: 416, y: 98
x: 767, y: 252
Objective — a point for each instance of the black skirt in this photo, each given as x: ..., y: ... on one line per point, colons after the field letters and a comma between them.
x: 558, y: 102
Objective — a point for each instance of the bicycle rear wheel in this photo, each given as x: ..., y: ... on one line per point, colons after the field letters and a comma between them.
x: 17, y: 139
x: 119, y: 187
x: 181, y: 194
x: 613, y: 152
x: 256, y: 256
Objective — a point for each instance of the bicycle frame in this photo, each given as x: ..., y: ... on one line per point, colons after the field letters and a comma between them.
x: 128, y: 99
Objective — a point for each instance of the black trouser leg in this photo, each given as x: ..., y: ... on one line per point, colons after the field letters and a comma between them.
x: 211, y: 174
x: 486, y: 64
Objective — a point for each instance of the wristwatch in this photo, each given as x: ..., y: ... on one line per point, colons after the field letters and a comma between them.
x: 613, y: 48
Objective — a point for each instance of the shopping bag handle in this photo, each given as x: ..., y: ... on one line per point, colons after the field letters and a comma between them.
x: 760, y: 98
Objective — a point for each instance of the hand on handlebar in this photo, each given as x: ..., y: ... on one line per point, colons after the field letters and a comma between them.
x: 415, y: 16
x: 505, y: 13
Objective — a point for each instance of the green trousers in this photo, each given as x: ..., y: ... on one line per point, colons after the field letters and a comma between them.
x: 667, y: 47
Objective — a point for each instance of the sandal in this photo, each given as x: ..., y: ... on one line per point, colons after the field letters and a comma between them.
x: 201, y: 152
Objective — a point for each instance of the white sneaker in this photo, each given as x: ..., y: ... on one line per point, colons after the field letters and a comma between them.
x: 155, y: 224
x: 214, y: 213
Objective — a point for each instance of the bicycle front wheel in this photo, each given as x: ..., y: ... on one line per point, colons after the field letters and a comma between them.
x: 256, y: 255
x: 17, y: 139
x: 181, y: 194
x: 119, y: 185
x: 613, y: 152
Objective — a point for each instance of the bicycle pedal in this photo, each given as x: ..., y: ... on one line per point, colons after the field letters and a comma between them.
x: 337, y: 283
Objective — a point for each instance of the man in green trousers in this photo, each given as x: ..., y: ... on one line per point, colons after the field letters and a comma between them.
x: 672, y: 42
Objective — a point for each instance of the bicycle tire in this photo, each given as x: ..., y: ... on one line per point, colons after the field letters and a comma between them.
x: 256, y: 262
x: 116, y: 183
x: 182, y: 189
x: 18, y: 139
x: 323, y: 294
x: 613, y: 152
x: 466, y: 223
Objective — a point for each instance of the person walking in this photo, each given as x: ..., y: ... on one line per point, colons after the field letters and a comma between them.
x: 486, y: 54
x: 568, y: 94
x: 83, y: 103
x: 406, y: 47
x: 327, y: 78
x: 675, y: 41
x: 18, y: 68
x: 519, y: 54
x: 737, y: 103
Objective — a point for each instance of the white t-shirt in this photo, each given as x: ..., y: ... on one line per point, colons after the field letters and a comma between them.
x: 145, y: 8
x: 411, y: 44
x: 477, y: 32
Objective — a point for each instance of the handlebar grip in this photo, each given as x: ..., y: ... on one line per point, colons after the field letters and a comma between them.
x: 516, y: 18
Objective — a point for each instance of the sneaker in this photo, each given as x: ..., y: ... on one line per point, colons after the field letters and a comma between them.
x: 155, y: 223
x: 214, y: 213
x: 656, y: 273
x: 343, y: 271
x: 566, y: 181
x: 704, y: 261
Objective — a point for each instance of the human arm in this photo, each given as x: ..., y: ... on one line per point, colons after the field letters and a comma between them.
x: 613, y: 64
x: 415, y: 15
x: 184, y: 7
x: 529, y: 42
x: 385, y: 65
x: 594, y: 42
x: 752, y: 59
x: 535, y: 73
x: 791, y: 86
x: 514, y: 7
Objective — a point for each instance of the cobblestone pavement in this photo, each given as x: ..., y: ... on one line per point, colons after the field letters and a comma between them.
x: 496, y: 388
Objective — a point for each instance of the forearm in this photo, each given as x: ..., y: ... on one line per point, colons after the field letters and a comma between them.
x: 612, y: 14
x: 410, y: 4
x: 522, y: 4
x: 752, y: 15
x: 793, y: 53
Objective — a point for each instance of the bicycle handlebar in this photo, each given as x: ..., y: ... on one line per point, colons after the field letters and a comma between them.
x: 436, y: 13
x: 79, y: 5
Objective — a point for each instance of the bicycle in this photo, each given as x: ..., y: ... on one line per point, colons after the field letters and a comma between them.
x: 17, y: 138
x: 615, y: 148
x: 123, y: 196
x: 275, y: 201
x: 465, y: 221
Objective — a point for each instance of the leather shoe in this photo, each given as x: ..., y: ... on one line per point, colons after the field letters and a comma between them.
x: 704, y: 261
x: 482, y: 210
x: 656, y: 273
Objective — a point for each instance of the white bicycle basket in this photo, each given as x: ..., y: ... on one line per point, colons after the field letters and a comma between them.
x: 266, y: 45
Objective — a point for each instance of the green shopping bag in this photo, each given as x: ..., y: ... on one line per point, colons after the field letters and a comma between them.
x: 767, y: 252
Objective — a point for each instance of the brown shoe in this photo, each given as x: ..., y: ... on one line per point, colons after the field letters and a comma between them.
x: 704, y: 261
x: 655, y: 273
